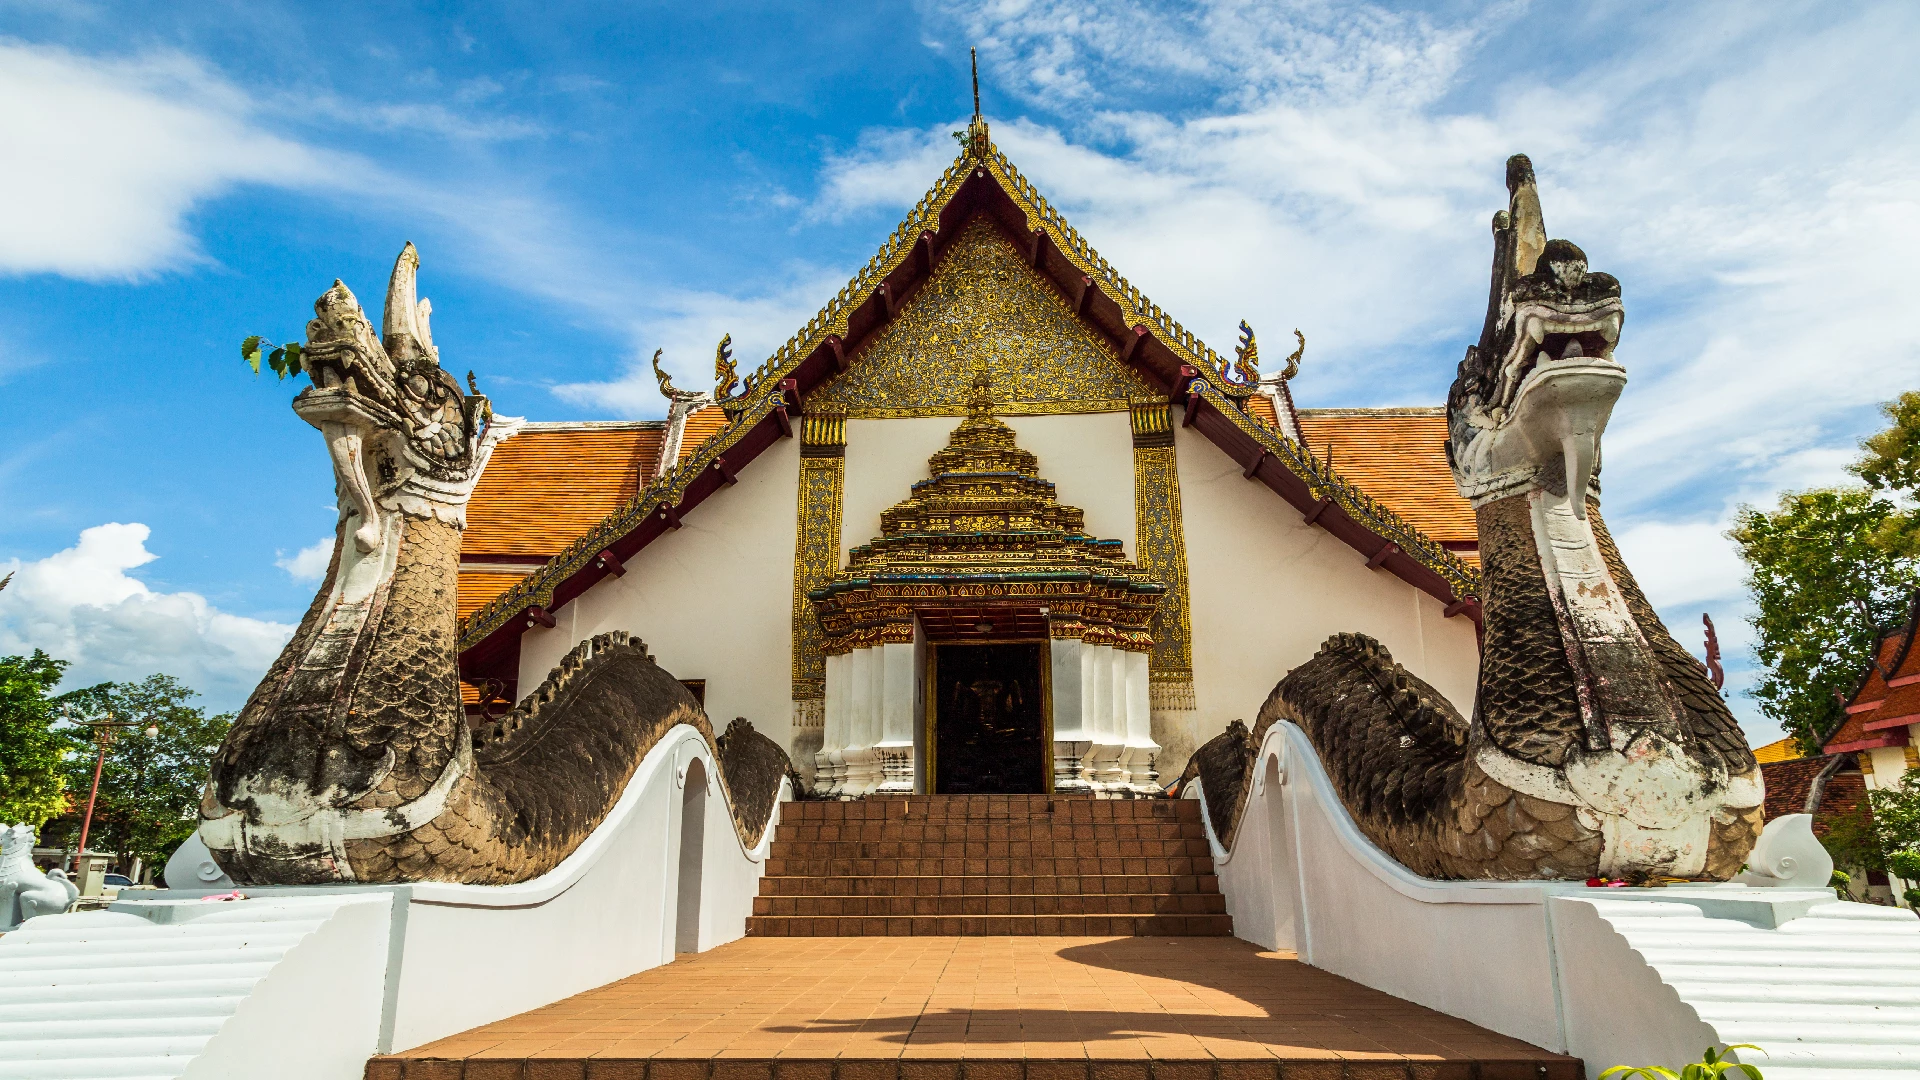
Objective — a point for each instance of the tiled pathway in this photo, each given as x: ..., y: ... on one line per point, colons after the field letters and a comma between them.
x: 1008, y: 1008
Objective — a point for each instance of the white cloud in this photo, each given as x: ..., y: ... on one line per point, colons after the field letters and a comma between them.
x: 310, y: 562
x: 1684, y: 564
x: 81, y: 605
x: 688, y: 325
x: 107, y: 157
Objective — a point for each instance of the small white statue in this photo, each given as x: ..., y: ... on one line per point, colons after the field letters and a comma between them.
x: 24, y: 891
x: 1788, y: 854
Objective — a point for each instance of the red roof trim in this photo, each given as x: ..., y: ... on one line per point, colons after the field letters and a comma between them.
x: 1891, y: 722
x: 1892, y: 739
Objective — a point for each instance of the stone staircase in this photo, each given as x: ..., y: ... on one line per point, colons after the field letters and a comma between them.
x: 989, y: 865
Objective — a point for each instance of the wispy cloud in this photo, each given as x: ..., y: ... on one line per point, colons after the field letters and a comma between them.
x: 108, y: 156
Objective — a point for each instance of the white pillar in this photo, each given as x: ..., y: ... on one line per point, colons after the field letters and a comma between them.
x: 830, y: 764
x: 1142, y: 752
x: 1065, y: 657
x: 860, y: 736
x: 1109, y: 738
x: 894, y: 749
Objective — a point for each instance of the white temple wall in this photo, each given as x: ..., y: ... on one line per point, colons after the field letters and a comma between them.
x: 713, y: 600
x: 1088, y: 457
x: 1266, y: 590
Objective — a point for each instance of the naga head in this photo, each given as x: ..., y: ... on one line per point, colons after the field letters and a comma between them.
x: 402, y: 435
x: 1531, y: 400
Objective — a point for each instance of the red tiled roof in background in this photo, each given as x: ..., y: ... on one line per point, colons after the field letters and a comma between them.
x: 1398, y: 456
x: 1882, y: 710
x: 1788, y: 781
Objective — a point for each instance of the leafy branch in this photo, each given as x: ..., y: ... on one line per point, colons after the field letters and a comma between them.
x: 1712, y: 1067
x: 285, y: 360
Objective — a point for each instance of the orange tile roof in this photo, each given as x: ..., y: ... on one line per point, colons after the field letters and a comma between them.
x: 1783, y: 750
x: 552, y: 483
x: 1882, y: 710
x: 1260, y: 407
x: 477, y: 585
x: 1398, y: 456
x: 701, y: 426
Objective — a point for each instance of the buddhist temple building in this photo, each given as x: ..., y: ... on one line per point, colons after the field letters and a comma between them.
x: 990, y: 496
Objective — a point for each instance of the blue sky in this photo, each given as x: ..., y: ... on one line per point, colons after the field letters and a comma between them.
x: 589, y: 183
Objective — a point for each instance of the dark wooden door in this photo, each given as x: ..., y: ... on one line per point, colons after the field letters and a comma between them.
x: 990, y: 720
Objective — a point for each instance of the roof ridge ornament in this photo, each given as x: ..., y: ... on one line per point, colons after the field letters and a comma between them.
x: 667, y: 389
x: 974, y: 140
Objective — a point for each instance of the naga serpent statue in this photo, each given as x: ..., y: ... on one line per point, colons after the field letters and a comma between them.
x: 1598, y: 745
x: 354, y: 759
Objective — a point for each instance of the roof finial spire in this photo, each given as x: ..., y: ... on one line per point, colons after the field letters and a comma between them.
x: 975, y: 55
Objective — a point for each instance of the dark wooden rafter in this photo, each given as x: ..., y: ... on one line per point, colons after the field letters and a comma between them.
x: 497, y: 655
x: 1387, y: 551
x: 539, y: 616
x: 611, y: 563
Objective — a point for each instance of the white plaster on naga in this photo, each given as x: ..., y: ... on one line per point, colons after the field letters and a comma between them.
x: 306, y: 983
x: 1829, y: 990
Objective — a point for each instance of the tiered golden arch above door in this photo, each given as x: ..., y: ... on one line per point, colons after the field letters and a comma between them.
x: 984, y: 552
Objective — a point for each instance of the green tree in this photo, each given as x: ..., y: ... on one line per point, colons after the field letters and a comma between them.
x: 1891, y: 462
x: 31, y: 784
x: 1824, y: 589
x: 1896, y: 821
x: 150, y: 785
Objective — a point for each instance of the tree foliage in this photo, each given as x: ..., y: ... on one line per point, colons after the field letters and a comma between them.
x: 1896, y: 824
x: 150, y: 785
x: 1824, y: 589
x: 31, y: 782
x: 1891, y: 463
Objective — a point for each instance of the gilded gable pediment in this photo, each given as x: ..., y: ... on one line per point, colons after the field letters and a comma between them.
x: 983, y: 306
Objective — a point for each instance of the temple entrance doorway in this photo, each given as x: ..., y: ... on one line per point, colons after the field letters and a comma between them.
x: 989, y: 718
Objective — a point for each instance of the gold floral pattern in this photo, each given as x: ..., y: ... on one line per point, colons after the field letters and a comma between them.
x: 984, y: 306
x: 816, y: 551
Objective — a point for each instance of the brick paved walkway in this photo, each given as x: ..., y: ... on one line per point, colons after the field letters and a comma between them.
x: 1011, y: 1008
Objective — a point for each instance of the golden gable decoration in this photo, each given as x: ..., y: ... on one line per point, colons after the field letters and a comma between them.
x: 984, y: 306
x: 986, y: 532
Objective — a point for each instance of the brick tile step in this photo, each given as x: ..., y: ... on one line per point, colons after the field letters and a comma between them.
x: 982, y: 885
x: 992, y: 849
x: 992, y: 926
x: 988, y: 830
x: 887, y: 906
x: 780, y: 866
x: 991, y: 807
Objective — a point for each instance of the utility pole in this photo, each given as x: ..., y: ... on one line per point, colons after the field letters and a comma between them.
x: 104, y: 730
